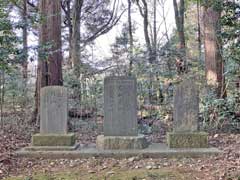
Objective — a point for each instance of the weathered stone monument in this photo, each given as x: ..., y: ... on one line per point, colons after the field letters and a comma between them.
x: 120, y: 137
x: 53, y: 118
x: 185, y: 116
x: 120, y: 115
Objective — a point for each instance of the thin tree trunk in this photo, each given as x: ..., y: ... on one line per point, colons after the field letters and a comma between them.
x: 155, y: 30
x: 76, y: 37
x: 2, y: 93
x: 144, y: 12
x: 66, y: 7
x: 199, y: 32
x: 76, y: 49
x: 25, y: 42
x: 130, y: 37
x: 70, y: 30
x: 162, y: 4
x: 179, y: 18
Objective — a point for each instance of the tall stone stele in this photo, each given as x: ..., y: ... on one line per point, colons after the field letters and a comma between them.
x: 185, y: 118
x: 53, y: 119
x: 120, y: 115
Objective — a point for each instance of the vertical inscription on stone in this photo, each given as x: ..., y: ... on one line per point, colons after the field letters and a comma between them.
x: 53, y: 110
x: 120, y: 106
x: 186, y: 107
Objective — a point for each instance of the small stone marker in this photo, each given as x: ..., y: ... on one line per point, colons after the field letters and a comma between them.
x: 120, y: 115
x: 185, y: 118
x: 53, y: 110
x: 120, y: 106
x: 186, y: 107
x: 53, y: 120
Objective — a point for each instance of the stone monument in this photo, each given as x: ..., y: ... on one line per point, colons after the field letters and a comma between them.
x: 120, y: 115
x: 185, y: 118
x: 53, y: 118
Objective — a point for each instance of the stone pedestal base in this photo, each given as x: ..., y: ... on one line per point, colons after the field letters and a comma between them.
x: 53, y: 139
x: 121, y: 142
x: 187, y: 140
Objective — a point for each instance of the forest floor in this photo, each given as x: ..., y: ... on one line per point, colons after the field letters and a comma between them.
x: 16, y: 134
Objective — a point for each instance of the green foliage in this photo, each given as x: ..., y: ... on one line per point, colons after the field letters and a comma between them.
x: 8, y: 40
x: 230, y: 34
x: 216, y: 4
x: 221, y: 113
x: 120, y: 50
x: 87, y: 92
x: 15, y: 89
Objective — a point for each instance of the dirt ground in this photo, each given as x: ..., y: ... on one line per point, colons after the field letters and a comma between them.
x: 18, y: 134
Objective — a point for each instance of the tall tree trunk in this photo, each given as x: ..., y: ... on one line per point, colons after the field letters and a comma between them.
x: 70, y: 30
x: 144, y: 12
x: 25, y: 42
x: 50, y: 59
x: 130, y: 37
x: 66, y: 7
x: 179, y: 18
x: 76, y: 48
x: 76, y: 36
x: 213, y: 50
x: 155, y: 30
x: 199, y: 32
x: 2, y: 94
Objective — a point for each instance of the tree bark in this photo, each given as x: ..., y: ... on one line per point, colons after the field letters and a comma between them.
x: 76, y: 36
x: 144, y: 12
x: 25, y: 42
x: 66, y: 6
x: 50, y: 58
x: 130, y: 37
x: 2, y: 94
x: 179, y: 18
x: 213, y: 50
x: 199, y: 32
x: 155, y: 30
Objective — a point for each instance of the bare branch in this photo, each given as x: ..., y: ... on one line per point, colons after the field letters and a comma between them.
x: 104, y: 29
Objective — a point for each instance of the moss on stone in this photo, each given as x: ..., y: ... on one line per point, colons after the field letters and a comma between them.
x: 121, y: 142
x: 53, y: 139
x: 187, y: 140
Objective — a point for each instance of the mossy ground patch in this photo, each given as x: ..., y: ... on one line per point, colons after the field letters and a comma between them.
x: 115, y: 174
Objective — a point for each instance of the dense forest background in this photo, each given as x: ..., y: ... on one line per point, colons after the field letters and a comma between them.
x: 204, y: 45
x: 77, y: 43
x: 44, y: 43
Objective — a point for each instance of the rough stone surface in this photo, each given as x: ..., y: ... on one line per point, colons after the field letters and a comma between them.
x: 186, y: 107
x: 52, y: 148
x: 53, y: 140
x: 186, y: 124
x: 153, y: 151
x: 53, y: 110
x: 187, y: 140
x: 120, y: 106
x: 121, y: 142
